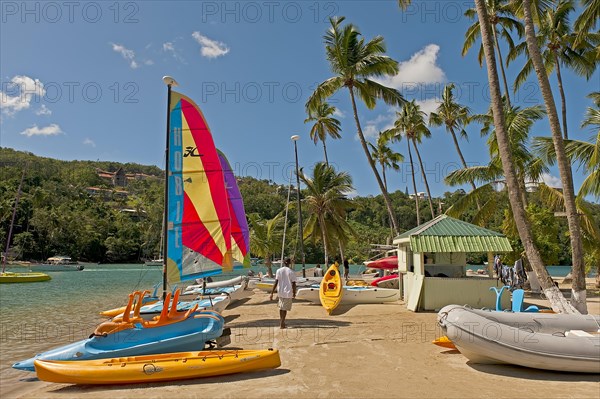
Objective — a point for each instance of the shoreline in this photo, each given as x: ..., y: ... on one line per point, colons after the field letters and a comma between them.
x: 371, y: 351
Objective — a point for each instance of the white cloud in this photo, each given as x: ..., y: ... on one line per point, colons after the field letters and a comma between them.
x: 149, y: 62
x: 43, y: 110
x: 380, y: 123
x: 551, y: 181
x: 428, y: 106
x: 51, y: 130
x: 210, y: 48
x: 89, y: 142
x: 127, y: 54
x: 420, y: 69
x: 169, y: 47
x: 20, y: 91
x: 338, y: 113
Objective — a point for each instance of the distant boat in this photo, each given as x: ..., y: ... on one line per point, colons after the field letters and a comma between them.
x: 57, y: 263
x: 154, y: 262
x: 9, y: 277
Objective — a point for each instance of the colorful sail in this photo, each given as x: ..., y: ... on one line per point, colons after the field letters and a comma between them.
x: 198, y: 220
x: 240, y: 234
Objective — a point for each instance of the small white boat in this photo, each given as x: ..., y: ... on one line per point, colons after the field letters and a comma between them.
x: 353, y: 295
x: 217, y: 284
x: 558, y: 343
x: 57, y: 264
x: 266, y: 284
x: 154, y: 262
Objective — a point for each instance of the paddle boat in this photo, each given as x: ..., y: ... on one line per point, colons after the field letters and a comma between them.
x: 156, y: 368
x: 131, y: 335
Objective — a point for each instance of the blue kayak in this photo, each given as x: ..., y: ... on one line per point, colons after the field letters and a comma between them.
x: 187, y: 335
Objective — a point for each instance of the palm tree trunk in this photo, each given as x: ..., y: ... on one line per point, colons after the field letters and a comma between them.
x: 563, y: 100
x: 557, y: 301
x: 464, y: 163
x: 412, y: 170
x: 269, y: 264
x: 424, y: 179
x: 324, y: 236
x: 363, y: 142
x: 497, y: 45
x: 384, y: 178
x: 578, y: 289
x: 325, y: 151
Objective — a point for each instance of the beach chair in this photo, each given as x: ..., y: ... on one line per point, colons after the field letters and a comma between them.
x: 499, y: 296
x: 517, y: 302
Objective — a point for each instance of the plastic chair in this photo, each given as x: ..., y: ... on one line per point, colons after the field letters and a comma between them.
x: 499, y: 296
x: 517, y: 302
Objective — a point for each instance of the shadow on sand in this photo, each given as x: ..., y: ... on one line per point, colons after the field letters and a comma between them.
x: 78, y: 389
x: 510, y: 370
x: 292, y: 323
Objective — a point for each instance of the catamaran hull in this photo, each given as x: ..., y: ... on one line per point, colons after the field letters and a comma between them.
x: 353, y: 295
x: 188, y: 335
x: 482, y: 340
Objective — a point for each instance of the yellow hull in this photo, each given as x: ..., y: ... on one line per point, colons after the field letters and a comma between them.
x: 117, y: 311
x: 330, y: 292
x: 10, y: 277
x: 156, y: 368
x: 444, y: 342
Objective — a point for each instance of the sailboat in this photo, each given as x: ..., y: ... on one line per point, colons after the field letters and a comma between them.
x: 198, y: 244
x: 26, y: 277
x: 197, y: 236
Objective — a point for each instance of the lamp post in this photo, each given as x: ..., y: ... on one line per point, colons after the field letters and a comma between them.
x: 294, y: 139
x: 170, y: 82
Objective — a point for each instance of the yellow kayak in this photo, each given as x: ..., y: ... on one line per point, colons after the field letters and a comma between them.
x: 331, y: 290
x: 33, y: 277
x: 155, y: 368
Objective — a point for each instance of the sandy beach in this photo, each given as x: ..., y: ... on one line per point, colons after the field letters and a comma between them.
x: 364, y: 351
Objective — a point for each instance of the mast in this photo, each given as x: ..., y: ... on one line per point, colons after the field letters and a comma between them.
x: 169, y: 81
x: 12, y: 221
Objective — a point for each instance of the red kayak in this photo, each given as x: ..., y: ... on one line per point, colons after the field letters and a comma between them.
x: 390, y: 262
x: 375, y: 283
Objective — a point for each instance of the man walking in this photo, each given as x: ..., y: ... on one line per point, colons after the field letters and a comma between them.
x: 285, y: 284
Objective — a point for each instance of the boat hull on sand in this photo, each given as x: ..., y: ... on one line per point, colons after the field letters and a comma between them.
x: 330, y: 290
x: 156, y: 368
x: 487, y: 341
x: 190, y: 334
x: 353, y: 295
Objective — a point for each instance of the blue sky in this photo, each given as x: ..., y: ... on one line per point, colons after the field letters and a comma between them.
x: 82, y: 80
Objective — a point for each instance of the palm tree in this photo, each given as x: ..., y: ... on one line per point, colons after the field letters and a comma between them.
x: 528, y: 167
x: 324, y: 125
x: 554, y: 295
x: 265, y: 238
x: 578, y: 289
x: 557, y: 43
x: 501, y: 18
x: 385, y: 156
x: 354, y: 62
x: 588, y: 19
x: 454, y: 117
x: 327, y: 203
x: 411, y: 124
x: 519, y: 122
x: 586, y: 153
